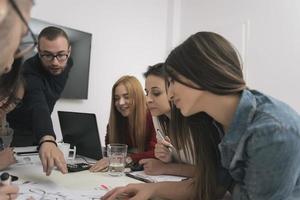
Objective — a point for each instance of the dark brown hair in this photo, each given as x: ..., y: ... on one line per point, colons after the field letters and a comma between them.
x: 158, y: 70
x: 213, y: 64
x: 52, y: 32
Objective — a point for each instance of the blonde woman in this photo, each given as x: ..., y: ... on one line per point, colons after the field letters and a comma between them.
x: 130, y: 122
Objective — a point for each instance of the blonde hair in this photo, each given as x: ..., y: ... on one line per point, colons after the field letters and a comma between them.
x: 137, y: 119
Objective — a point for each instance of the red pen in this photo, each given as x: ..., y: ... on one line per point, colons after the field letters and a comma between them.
x: 104, y: 187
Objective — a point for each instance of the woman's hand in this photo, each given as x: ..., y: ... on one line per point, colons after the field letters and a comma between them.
x: 140, y: 191
x: 7, y: 158
x: 100, y: 165
x: 153, y: 166
x: 162, y: 152
x: 8, y: 192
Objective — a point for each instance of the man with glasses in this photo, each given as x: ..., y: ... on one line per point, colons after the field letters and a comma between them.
x: 14, y: 15
x: 45, y: 75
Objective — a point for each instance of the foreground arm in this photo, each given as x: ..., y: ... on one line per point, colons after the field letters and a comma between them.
x: 6, y: 158
x: 166, y: 190
x: 8, y: 192
x: 157, y: 167
x: 162, y: 152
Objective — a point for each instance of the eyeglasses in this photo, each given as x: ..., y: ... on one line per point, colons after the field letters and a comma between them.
x: 49, y: 57
x: 27, y: 46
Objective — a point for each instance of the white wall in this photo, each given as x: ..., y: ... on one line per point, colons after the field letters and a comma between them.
x: 266, y: 32
x: 127, y: 37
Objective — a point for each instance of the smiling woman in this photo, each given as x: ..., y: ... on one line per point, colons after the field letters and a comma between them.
x: 130, y: 122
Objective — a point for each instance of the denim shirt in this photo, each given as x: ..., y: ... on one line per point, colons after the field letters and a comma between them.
x: 261, y: 149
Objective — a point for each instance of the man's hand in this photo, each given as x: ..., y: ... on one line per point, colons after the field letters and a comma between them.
x: 8, y: 192
x: 7, y: 158
x: 153, y: 166
x: 51, y: 156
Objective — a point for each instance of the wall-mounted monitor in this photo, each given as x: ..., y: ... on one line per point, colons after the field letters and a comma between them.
x: 78, y: 81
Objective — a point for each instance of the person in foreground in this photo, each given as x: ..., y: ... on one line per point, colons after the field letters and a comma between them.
x: 167, y: 162
x: 45, y: 74
x: 130, y: 122
x: 7, y: 157
x: 260, y: 148
x: 14, y: 16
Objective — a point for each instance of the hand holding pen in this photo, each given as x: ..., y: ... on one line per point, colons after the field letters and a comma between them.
x: 164, y: 140
x: 163, y: 148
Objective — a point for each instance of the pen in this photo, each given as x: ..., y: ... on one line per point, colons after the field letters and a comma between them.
x: 5, y: 178
x: 138, y: 178
x: 102, y: 186
x: 162, y: 138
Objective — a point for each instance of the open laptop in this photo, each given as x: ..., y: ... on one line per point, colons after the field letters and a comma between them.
x: 80, y: 130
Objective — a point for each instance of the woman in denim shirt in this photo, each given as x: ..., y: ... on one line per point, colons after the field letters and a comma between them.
x: 260, y: 148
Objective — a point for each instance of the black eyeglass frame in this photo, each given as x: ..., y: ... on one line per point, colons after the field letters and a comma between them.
x: 35, y: 42
x: 57, y: 56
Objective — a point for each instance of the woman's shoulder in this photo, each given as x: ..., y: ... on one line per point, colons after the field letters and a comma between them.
x: 273, y: 116
x: 261, y: 115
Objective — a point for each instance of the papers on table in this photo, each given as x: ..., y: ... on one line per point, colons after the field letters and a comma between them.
x: 141, y: 176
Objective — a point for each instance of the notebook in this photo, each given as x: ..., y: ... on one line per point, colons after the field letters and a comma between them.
x: 81, y: 130
x: 141, y: 176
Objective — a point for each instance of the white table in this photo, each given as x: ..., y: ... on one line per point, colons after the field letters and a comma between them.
x: 79, y: 185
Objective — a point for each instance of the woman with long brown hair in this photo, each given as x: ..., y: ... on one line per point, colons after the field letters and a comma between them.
x: 130, y: 122
x: 260, y: 144
x: 171, y: 161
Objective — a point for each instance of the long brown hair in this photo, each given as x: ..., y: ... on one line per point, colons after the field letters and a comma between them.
x: 158, y: 71
x: 136, y: 119
x: 211, y: 62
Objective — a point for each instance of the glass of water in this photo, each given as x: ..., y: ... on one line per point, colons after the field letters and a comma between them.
x: 116, y: 155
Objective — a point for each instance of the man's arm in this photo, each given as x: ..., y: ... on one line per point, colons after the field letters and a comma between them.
x: 8, y: 191
x: 42, y: 126
x: 51, y: 156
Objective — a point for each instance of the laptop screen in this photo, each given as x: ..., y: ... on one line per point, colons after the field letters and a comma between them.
x: 80, y: 130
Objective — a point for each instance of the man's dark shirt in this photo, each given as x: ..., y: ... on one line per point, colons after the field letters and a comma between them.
x: 42, y: 90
